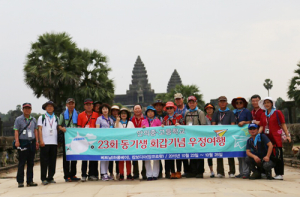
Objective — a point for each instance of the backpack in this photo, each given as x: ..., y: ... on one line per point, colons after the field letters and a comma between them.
x: 198, y: 113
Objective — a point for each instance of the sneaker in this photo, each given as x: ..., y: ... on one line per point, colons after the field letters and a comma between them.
x: 45, y: 182
x: 220, y: 176
x: 20, y: 184
x: 278, y: 177
x: 105, y: 177
x: 173, y: 176
x: 32, y: 184
x: 68, y: 180
x: 231, y: 176
x: 83, y: 179
x: 263, y: 176
x: 121, y: 177
x: 237, y: 176
x: 199, y: 176
x: 149, y: 179
x: 129, y: 177
x: 212, y: 175
x: 52, y: 181
x: 178, y: 175
x: 93, y: 178
x: 111, y: 177
x: 74, y: 178
x: 255, y: 175
x: 154, y: 178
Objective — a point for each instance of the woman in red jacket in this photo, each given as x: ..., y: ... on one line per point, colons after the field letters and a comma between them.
x: 273, y: 124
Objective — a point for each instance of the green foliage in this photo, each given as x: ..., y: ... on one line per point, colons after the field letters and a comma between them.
x: 268, y: 84
x: 186, y: 91
x: 294, y: 87
x: 56, y: 69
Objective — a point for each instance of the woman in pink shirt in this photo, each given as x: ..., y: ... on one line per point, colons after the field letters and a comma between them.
x: 151, y: 121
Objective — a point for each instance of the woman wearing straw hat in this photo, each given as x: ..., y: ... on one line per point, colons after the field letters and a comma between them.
x: 122, y: 121
x: 272, y: 124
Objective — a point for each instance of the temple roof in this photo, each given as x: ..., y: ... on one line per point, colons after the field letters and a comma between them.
x: 174, y: 80
x: 139, y: 77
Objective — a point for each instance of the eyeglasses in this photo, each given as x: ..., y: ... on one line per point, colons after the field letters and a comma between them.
x: 238, y: 103
x: 169, y: 108
x: 252, y: 128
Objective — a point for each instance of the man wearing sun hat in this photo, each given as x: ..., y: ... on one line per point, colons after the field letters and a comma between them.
x: 243, y: 116
x: 26, y: 143
x: 48, y: 127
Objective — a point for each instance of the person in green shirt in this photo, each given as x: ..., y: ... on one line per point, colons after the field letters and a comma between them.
x: 68, y: 119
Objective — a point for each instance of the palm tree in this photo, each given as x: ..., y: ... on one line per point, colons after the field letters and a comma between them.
x: 94, y: 82
x: 294, y: 87
x: 52, y: 68
x: 268, y: 84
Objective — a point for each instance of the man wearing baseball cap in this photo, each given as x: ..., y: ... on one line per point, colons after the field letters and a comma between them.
x: 68, y: 119
x: 259, y: 149
x: 224, y: 116
x: 87, y: 119
x: 195, y: 116
x: 25, y: 127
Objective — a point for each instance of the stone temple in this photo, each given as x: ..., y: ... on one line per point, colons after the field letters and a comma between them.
x: 140, y: 91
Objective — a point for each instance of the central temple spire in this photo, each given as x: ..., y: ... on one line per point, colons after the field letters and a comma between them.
x: 139, y: 77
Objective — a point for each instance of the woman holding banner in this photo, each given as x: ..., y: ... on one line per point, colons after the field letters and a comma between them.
x: 122, y: 121
x: 151, y: 121
x: 172, y: 119
x: 105, y: 121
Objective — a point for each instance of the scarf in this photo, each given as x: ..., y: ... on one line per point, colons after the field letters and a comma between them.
x: 270, y: 114
x: 227, y: 109
x: 209, y: 118
x: 74, y: 116
x: 235, y: 111
x: 193, y: 110
x: 122, y: 122
x: 114, y: 119
x: 50, y: 116
x: 257, y: 139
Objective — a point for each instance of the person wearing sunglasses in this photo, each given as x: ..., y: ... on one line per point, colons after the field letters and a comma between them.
x: 25, y: 127
x: 259, y: 149
x: 172, y: 119
x: 243, y: 116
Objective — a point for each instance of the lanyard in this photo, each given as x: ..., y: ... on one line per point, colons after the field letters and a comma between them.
x: 254, y: 114
x: 171, y: 121
x: 51, y: 123
x: 27, y: 123
x: 88, y: 118
x: 138, y: 124
x: 221, y: 118
x: 267, y: 120
x: 107, y: 120
x: 239, y: 115
x: 150, y: 123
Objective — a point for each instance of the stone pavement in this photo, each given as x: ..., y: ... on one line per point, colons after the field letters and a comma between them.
x: 163, y: 187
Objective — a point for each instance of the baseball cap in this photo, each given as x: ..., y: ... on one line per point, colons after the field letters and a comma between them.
x: 70, y: 100
x: 192, y: 98
x: 252, y: 125
x: 26, y: 105
x: 88, y: 100
x: 222, y: 98
x: 178, y: 95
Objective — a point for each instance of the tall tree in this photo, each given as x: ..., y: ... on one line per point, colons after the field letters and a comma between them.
x: 186, y: 91
x: 294, y: 87
x: 268, y: 85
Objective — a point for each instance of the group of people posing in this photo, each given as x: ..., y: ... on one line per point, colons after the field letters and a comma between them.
x: 264, y: 147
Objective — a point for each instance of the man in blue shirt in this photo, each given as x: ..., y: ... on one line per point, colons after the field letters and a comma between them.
x: 259, y: 149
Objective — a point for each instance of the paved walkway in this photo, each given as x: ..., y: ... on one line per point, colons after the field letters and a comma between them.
x: 163, y: 187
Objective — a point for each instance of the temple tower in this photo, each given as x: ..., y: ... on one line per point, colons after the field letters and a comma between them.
x: 174, y: 80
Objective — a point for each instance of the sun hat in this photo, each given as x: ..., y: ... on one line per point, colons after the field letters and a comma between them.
x: 115, y: 107
x: 261, y: 103
x: 48, y: 103
x: 127, y: 111
x: 158, y: 102
x: 170, y: 104
x: 150, y: 107
x: 233, y: 102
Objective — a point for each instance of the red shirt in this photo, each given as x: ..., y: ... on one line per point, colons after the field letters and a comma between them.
x: 83, y: 118
x: 177, y: 118
x: 137, y: 122
x: 273, y: 135
x: 257, y: 114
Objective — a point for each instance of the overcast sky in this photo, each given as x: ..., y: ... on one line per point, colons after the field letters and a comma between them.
x: 224, y: 47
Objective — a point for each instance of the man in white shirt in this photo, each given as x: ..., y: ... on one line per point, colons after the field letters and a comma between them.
x: 48, y: 124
